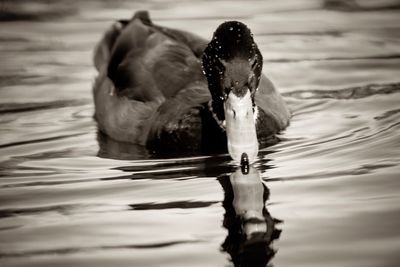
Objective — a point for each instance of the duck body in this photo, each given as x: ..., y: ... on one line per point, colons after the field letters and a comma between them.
x: 151, y: 90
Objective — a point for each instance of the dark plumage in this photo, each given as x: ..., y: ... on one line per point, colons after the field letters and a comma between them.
x: 151, y: 88
x: 228, y: 60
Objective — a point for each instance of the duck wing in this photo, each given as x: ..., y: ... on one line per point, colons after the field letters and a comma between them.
x: 150, y: 62
x: 273, y: 112
x: 159, y: 88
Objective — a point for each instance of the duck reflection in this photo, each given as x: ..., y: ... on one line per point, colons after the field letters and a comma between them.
x: 251, y: 229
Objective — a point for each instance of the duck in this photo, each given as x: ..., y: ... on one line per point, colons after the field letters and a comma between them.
x: 173, y: 91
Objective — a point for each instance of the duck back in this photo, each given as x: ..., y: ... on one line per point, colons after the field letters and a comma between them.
x: 150, y: 86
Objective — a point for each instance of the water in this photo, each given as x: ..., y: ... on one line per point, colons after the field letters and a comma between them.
x: 326, y: 195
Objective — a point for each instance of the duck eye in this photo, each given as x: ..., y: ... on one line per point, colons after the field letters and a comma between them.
x: 220, y: 70
x: 226, y: 92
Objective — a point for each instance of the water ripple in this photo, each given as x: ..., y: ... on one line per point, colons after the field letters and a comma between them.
x: 361, y: 170
x: 347, y: 93
x: 26, y: 107
x: 39, y: 140
x: 73, y: 250
x: 173, y: 205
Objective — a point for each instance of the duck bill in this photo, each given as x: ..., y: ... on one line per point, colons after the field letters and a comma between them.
x: 240, y: 127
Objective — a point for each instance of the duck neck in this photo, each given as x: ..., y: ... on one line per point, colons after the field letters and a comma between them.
x: 216, y: 109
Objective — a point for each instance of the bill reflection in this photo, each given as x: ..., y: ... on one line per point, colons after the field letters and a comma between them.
x: 251, y: 229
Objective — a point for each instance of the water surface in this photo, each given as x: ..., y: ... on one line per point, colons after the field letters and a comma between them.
x: 326, y: 195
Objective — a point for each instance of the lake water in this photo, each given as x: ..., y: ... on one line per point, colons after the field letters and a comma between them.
x: 326, y: 195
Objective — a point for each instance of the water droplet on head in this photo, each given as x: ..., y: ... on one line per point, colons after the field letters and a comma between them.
x: 231, y: 28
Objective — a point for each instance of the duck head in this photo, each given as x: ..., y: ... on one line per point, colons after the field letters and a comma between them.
x: 232, y: 64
